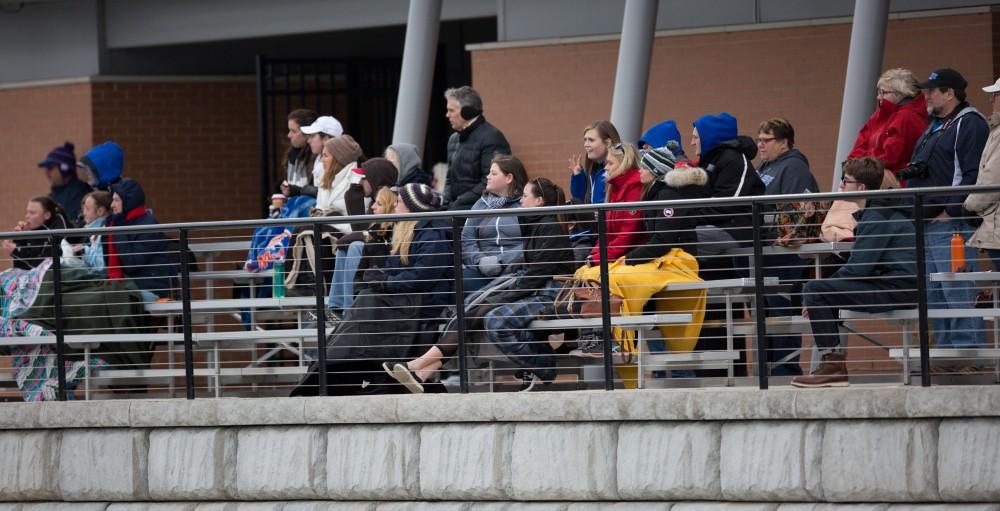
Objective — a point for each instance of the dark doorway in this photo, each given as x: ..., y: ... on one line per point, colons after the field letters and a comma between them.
x: 360, y: 92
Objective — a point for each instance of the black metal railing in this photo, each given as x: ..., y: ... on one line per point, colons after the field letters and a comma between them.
x: 457, y: 218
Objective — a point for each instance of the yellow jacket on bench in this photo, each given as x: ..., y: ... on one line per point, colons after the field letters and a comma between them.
x: 636, y: 284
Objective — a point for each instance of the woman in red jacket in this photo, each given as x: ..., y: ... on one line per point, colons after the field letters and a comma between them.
x: 624, y: 226
x: 901, y: 116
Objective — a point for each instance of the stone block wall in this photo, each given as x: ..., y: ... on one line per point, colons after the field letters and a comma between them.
x: 780, y: 450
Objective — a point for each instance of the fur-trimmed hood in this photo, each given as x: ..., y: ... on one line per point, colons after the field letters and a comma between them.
x: 683, y: 176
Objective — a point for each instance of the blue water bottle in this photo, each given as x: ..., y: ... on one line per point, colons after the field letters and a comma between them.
x: 278, y: 279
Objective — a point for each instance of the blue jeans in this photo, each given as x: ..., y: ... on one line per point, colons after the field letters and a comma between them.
x: 951, y: 332
x: 788, y: 268
x: 995, y: 256
x: 345, y: 265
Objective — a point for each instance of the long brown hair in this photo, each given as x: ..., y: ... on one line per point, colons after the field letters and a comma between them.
x: 512, y: 166
x: 51, y: 207
x: 302, y: 117
x: 607, y: 133
x: 551, y: 195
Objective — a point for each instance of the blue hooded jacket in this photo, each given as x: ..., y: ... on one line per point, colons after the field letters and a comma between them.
x: 715, y: 129
x: 659, y: 134
x: 728, y: 160
x: 107, y: 160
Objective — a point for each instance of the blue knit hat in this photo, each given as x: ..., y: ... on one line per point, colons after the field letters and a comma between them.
x: 62, y: 158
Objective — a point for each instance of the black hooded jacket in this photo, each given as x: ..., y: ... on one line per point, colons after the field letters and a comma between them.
x: 30, y: 252
x: 731, y: 174
x: 671, y: 226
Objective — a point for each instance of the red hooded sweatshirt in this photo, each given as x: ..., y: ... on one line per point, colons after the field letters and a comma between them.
x: 624, y: 225
x: 891, y: 132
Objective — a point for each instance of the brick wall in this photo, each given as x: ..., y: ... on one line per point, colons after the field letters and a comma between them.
x: 192, y: 145
x: 542, y: 97
x: 32, y: 122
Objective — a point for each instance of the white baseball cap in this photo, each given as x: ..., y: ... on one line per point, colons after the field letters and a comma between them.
x: 326, y: 124
x: 993, y: 88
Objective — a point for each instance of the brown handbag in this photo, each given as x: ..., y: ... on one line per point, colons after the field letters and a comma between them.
x: 581, y: 299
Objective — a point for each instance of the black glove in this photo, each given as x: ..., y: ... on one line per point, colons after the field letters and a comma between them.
x: 375, y: 278
x: 294, y: 190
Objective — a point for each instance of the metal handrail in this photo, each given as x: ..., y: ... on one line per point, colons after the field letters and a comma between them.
x: 554, y: 210
x: 455, y: 218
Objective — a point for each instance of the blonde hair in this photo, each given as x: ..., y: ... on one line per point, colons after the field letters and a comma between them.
x: 393, y: 157
x: 628, y: 156
x: 386, y: 198
x: 901, y: 81
x: 402, y: 235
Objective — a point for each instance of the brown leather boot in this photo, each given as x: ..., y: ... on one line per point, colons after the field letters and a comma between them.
x: 832, y: 372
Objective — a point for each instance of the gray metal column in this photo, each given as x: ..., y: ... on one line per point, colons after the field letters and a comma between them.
x: 632, y: 75
x: 864, y: 66
x: 417, y: 74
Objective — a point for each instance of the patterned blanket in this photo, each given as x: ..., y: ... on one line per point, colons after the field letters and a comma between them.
x: 34, y: 365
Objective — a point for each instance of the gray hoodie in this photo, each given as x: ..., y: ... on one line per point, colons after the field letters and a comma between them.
x: 787, y: 174
x: 497, y: 236
x: 410, y: 170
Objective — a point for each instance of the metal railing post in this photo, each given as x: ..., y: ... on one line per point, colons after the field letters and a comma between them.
x: 763, y: 369
x: 922, y: 327
x: 186, y: 323
x: 320, y: 307
x: 263, y: 129
x: 602, y: 243
x: 56, y: 253
x: 463, y: 363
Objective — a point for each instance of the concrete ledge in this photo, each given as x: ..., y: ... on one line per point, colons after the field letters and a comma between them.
x: 581, y: 406
x: 725, y: 449
x: 484, y: 506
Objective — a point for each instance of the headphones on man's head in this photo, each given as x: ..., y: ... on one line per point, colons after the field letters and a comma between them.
x: 470, y: 112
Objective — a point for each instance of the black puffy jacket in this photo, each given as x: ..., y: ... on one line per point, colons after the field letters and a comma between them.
x: 731, y: 174
x: 470, y: 152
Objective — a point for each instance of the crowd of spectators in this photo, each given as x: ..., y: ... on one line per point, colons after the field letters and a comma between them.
x: 391, y: 278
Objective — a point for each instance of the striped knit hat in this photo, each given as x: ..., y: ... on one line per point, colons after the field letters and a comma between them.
x: 420, y: 198
x: 62, y: 158
x: 659, y: 161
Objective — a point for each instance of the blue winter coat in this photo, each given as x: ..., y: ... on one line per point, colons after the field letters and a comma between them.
x: 430, y: 270
x: 143, y: 256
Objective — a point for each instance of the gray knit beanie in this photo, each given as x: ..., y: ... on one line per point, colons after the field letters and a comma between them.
x: 659, y: 161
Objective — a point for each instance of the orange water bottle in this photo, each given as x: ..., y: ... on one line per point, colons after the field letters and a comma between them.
x: 957, y: 252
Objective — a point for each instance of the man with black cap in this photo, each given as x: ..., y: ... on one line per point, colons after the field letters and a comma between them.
x: 947, y: 154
